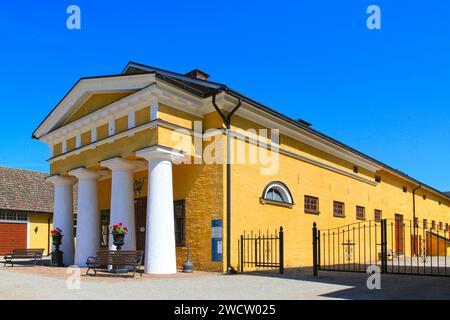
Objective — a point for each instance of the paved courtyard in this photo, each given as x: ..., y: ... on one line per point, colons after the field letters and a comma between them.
x: 26, y: 282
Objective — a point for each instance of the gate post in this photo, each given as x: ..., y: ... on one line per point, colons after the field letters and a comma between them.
x: 281, y: 236
x: 242, y: 253
x: 315, y: 265
x: 384, y: 246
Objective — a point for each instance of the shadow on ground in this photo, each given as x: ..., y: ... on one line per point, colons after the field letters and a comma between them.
x: 45, y: 262
x: 393, y: 287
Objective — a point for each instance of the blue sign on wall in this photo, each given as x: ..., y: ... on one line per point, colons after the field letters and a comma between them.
x: 216, y: 240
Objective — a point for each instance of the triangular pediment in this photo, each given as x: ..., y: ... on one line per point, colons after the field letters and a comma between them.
x: 94, y: 102
x: 89, y: 95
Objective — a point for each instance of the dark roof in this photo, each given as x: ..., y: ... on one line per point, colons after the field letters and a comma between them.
x: 206, y: 88
x: 25, y: 191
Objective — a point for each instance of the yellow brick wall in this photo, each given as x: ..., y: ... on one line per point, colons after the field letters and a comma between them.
x: 303, y: 179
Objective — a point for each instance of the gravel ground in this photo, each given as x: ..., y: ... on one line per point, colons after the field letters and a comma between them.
x: 48, y: 283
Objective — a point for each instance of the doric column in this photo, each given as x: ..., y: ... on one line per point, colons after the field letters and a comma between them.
x: 88, y: 221
x: 122, y: 198
x: 160, y: 250
x: 63, y: 214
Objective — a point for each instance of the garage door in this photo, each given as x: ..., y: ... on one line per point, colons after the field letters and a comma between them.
x: 12, y: 236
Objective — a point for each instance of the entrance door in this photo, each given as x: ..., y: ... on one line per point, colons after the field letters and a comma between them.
x: 399, y: 235
x: 140, y: 206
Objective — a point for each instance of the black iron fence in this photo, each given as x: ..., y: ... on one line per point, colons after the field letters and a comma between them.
x: 395, y: 246
x: 262, y: 251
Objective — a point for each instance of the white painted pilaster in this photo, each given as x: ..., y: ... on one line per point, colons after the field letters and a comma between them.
x: 78, y: 140
x: 154, y: 109
x: 63, y: 214
x: 64, y: 146
x: 160, y: 257
x: 111, y: 127
x: 94, y: 134
x: 131, y: 119
x: 88, y: 221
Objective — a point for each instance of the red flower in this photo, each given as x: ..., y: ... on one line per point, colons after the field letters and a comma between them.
x: 125, y: 229
x: 115, y: 226
x: 120, y: 224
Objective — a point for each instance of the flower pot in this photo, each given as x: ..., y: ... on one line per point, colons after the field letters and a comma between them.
x: 118, y: 240
x: 57, y: 240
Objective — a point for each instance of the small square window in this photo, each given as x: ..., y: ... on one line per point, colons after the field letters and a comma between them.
x: 311, y: 204
x: 405, y: 189
x: 378, y: 215
x: 339, y: 209
x: 424, y: 197
x: 377, y: 179
x: 360, y: 213
x: 355, y: 169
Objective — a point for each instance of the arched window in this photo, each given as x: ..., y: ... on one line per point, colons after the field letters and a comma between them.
x: 277, y: 193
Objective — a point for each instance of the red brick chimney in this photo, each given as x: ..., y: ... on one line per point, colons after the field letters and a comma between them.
x: 198, y: 74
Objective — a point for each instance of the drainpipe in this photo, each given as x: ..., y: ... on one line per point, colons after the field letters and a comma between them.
x: 227, y: 122
x: 414, y: 216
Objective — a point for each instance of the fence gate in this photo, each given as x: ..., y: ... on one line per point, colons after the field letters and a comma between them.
x: 396, y: 246
x: 262, y: 251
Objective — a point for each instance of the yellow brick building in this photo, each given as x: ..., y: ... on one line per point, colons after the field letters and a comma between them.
x: 183, y: 160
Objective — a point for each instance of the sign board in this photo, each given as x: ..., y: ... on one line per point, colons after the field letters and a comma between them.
x: 216, y: 240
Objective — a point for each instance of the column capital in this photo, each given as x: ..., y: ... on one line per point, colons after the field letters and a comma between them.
x: 58, y: 180
x: 83, y: 173
x: 119, y: 164
x: 160, y: 152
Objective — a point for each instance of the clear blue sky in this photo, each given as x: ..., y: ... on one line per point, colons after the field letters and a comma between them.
x: 386, y: 92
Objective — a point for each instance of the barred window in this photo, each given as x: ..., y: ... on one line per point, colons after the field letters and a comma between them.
x: 360, y: 213
x: 180, y: 221
x: 311, y: 204
x: 378, y: 215
x: 433, y: 224
x: 416, y: 222
x: 425, y: 223
x: 338, y: 209
x: 441, y: 226
x: 13, y: 216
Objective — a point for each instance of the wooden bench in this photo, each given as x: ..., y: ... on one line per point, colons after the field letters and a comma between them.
x: 106, y: 259
x: 35, y: 254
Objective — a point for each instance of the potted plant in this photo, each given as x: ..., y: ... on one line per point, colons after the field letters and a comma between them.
x: 57, y: 237
x: 119, y: 231
x: 57, y: 255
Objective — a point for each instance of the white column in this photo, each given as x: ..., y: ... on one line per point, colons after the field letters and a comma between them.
x: 122, y: 198
x: 63, y: 214
x: 88, y: 220
x: 160, y: 250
